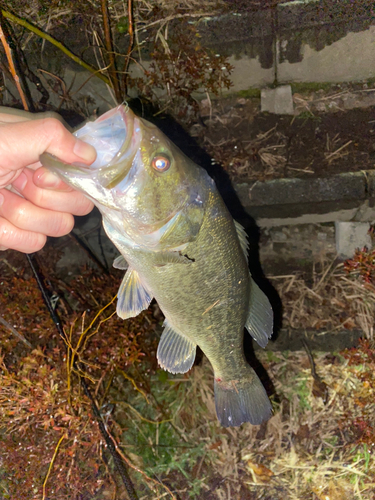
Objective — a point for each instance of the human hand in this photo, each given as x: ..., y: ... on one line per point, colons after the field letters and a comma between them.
x: 35, y: 203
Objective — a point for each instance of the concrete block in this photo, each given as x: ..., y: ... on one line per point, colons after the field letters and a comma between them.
x: 350, y: 236
x: 278, y: 101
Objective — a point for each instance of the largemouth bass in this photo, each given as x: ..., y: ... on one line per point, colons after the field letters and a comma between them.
x: 180, y: 245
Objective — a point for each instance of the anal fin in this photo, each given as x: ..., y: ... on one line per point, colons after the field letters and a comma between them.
x: 259, y: 322
x: 132, y: 296
x: 175, y: 353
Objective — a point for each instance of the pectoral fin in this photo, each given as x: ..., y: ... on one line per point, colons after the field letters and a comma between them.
x: 132, y: 296
x: 260, y: 320
x: 164, y: 258
x: 120, y: 263
x: 176, y: 353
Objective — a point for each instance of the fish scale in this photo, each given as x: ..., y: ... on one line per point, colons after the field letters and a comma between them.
x: 182, y: 247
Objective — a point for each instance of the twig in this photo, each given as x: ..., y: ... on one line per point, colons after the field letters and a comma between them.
x: 15, y: 332
x: 56, y: 43
x: 154, y: 422
x: 125, y: 375
x: 51, y: 465
x: 141, y: 471
x: 12, y: 68
x: 74, y: 236
x: 112, y: 446
x: 109, y: 48
x: 319, y: 387
x: 130, y: 47
x: 165, y: 20
x: 338, y: 150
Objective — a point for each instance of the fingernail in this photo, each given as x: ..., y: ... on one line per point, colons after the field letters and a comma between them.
x: 3, y: 248
x: 84, y: 151
x: 1, y: 199
x: 48, y: 179
x: 20, y: 182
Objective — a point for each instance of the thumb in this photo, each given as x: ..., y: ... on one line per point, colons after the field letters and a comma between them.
x: 22, y: 143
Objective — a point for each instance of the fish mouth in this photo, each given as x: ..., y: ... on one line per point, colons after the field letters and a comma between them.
x: 112, y: 136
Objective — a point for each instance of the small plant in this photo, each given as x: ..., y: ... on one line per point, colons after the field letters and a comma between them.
x: 180, y: 68
x: 363, y: 265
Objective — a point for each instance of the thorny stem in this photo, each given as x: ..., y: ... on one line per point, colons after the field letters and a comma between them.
x: 109, y: 47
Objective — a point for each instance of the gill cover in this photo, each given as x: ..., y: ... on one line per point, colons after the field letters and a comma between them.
x: 150, y: 194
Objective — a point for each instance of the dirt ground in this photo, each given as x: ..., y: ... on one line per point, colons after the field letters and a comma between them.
x: 260, y: 146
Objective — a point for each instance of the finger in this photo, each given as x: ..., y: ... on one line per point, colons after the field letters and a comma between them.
x: 45, y: 179
x: 10, y: 118
x: 25, y: 215
x: 14, y: 238
x: 63, y: 199
x: 45, y: 135
x: 12, y: 115
x: 9, y: 115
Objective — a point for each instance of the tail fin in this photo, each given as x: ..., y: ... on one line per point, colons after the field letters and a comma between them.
x: 240, y: 401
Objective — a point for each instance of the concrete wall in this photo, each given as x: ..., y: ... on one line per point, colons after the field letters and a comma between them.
x: 311, y: 41
x: 350, y: 58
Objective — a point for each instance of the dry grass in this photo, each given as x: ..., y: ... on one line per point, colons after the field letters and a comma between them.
x: 310, y: 449
x: 307, y: 450
x: 167, y: 425
x: 330, y: 300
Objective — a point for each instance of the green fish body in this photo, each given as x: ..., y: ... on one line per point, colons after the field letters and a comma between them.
x: 180, y: 246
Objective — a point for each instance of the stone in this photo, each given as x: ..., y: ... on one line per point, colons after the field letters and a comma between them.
x: 350, y: 236
x: 278, y: 101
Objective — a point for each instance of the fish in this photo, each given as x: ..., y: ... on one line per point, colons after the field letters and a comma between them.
x: 178, y: 244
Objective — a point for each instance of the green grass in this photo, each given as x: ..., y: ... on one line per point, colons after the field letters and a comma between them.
x: 167, y: 447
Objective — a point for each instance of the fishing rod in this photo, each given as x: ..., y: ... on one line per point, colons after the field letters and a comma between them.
x: 118, y: 461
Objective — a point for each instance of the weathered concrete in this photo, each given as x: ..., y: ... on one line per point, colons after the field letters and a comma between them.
x: 269, y: 218
x: 291, y: 340
x: 296, y: 246
x: 348, y: 197
x: 350, y: 236
x: 348, y: 59
x: 278, y: 100
x: 317, y: 41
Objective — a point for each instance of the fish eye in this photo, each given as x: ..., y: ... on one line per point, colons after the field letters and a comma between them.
x: 161, y: 163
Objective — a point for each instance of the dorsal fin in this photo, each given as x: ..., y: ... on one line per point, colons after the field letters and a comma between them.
x: 175, y: 353
x: 242, y: 236
x: 132, y: 296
